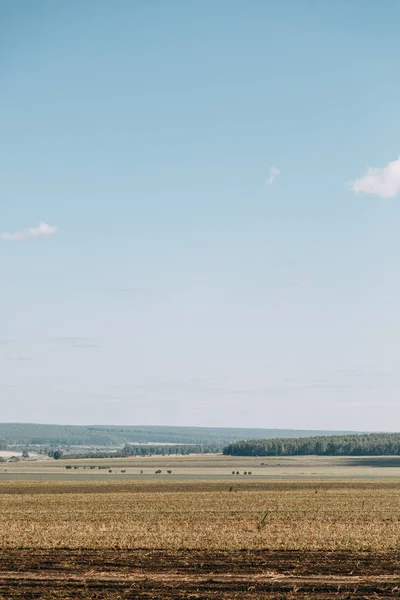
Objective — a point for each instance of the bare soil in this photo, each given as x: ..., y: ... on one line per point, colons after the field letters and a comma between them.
x: 114, y: 574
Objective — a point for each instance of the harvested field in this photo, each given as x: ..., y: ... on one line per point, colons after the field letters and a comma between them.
x: 216, y: 515
x: 211, y: 539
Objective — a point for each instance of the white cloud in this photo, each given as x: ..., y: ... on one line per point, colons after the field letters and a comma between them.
x: 29, y: 234
x: 383, y: 182
x: 273, y: 174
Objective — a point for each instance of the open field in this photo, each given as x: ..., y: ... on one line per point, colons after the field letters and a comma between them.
x: 298, y: 527
x: 200, y: 539
x: 206, y: 467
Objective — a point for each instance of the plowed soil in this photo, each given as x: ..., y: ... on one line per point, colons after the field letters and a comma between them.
x: 158, y: 574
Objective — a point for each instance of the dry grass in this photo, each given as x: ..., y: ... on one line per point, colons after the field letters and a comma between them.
x: 299, y: 515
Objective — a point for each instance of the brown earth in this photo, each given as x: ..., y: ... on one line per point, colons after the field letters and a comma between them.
x: 197, y: 574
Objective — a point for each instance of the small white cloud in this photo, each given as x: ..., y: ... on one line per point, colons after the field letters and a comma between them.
x: 29, y: 234
x: 383, y: 182
x: 273, y: 174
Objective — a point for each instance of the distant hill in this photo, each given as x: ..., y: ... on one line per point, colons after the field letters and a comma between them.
x: 115, y: 435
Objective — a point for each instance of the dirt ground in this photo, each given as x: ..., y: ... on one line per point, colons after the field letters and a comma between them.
x: 160, y: 574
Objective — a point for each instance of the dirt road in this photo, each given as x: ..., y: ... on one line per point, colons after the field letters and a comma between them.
x: 157, y: 574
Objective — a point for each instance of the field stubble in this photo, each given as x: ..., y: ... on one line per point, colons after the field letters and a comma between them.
x: 219, y: 516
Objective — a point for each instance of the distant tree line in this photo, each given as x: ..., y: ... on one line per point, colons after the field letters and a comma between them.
x: 149, y: 450
x: 137, y: 450
x: 372, y: 444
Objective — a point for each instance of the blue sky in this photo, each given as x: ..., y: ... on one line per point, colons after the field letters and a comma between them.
x: 199, y: 213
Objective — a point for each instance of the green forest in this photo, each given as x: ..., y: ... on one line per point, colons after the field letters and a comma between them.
x: 372, y: 444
